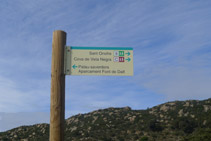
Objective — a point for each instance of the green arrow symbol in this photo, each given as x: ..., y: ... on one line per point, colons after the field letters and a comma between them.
x: 128, y: 53
x: 128, y: 59
x: 74, y: 66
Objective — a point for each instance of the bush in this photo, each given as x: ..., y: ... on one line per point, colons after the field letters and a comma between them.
x: 155, y: 126
x: 184, y: 124
x: 200, y: 135
x: 144, y: 138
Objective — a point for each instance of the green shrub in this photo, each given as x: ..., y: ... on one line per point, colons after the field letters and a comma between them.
x: 144, y: 138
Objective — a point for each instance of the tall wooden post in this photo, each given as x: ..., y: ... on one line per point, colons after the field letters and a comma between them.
x: 57, y: 115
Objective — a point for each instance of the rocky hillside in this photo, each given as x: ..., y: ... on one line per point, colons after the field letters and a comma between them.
x: 172, y: 121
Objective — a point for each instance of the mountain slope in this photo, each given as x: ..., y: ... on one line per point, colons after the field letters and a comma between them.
x: 178, y: 120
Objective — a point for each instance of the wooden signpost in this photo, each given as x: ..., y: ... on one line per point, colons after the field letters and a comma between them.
x: 66, y: 60
x: 57, y: 114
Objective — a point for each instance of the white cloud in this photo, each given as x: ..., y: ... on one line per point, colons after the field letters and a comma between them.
x: 178, y: 66
x: 16, y: 98
x: 178, y: 83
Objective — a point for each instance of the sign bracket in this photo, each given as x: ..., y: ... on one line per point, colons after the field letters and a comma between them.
x: 67, y: 60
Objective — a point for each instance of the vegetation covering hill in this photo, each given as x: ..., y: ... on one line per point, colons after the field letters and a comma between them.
x: 173, y: 121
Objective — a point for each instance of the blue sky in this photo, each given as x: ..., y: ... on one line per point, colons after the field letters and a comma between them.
x: 172, y: 54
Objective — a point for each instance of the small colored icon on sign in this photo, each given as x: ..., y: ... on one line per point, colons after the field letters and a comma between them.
x: 116, y: 53
x: 121, y: 53
x: 74, y: 66
x: 116, y: 59
x: 121, y: 59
